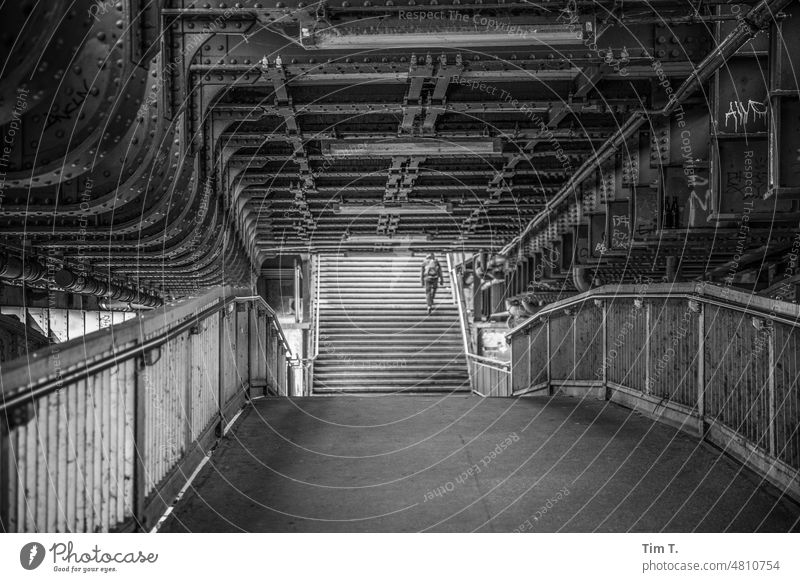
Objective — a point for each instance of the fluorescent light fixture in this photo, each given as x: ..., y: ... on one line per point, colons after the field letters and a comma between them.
x: 485, y: 32
x: 412, y: 147
x: 378, y: 209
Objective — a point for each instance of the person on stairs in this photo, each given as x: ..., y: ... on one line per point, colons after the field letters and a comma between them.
x: 431, y: 278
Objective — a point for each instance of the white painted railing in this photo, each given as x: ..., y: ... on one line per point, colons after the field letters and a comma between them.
x: 99, y: 433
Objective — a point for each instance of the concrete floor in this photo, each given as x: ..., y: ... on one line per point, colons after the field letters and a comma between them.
x: 371, y: 463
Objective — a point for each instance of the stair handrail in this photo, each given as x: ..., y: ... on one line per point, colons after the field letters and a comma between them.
x: 492, y: 362
x: 293, y: 360
x: 315, y: 321
x: 307, y: 363
x: 468, y: 347
x: 455, y: 282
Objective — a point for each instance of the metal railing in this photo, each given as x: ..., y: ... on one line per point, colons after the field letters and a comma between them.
x: 308, y: 363
x: 722, y: 364
x: 487, y: 376
x: 315, y: 351
x: 99, y: 433
x: 305, y: 365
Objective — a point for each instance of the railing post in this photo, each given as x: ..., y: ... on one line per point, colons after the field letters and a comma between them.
x: 273, y: 364
x: 573, y: 373
x: 139, y: 442
x: 701, y: 369
x: 529, y: 373
x: 268, y: 334
x: 265, y: 356
x: 249, y: 349
x: 549, y: 356
x: 771, y: 390
x: 280, y: 380
x: 606, y: 391
x: 647, y: 347
x: 5, y: 475
x: 188, y: 408
x: 221, y: 367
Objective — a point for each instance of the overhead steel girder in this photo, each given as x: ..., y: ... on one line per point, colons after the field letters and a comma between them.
x: 755, y: 20
x: 207, y: 223
x: 319, y: 234
x: 263, y: 107
x: 112, y: 194
x: 155, y: 216
x: 238, y: 76
x: 242, y: 138
x: 450, y: 220
x: 93, y: 129
x: 103, y: 190
x: 162, y: 191
x: 490, y: 162
x: 332, y: 215
x: 208, y: 270
x: 247, y: 112
x: 514, y: 161
x: 395, y: 70
x: 392, y: 67
x: 161, y: 208
x: 201, y: 259
x: 230, y: 170
x: 204, y: 265
x: 81, y: 98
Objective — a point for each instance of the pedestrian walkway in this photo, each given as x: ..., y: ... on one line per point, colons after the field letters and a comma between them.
x: 464, y: 463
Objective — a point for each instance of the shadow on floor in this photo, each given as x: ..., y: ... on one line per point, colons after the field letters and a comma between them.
x: 463, y: 463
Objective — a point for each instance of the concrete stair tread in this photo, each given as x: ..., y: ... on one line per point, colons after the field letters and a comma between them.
x: 394, y: 355
x: 373, y: 327
x: 406, y: 363
x: 394, y: 379
x: 382, y: 388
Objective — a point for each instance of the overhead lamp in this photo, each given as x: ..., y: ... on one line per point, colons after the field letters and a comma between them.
x: 468, y: 33
x: 378, y: 209
x: 412, y: 147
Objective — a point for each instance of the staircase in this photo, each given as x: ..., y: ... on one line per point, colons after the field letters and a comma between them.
x: 375, y: 334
